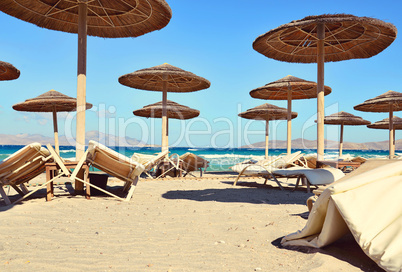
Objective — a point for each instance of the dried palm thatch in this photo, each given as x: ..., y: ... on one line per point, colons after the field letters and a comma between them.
x: 49, y: 102
x: 278, y: 90
x: 8, y: 71
x: 346, y: 37
x: 345, y: 118
x: 174, y: 110
x: 266, y: 112
x: 384, y: 124
x: 108, y: 19
x: 154, y: 78
x: 382, y: 103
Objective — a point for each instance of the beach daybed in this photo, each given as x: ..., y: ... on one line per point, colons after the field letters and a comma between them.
x: 265, y: 167
x: 112, y: 163
x: 149, y: 161
x: 308, y: 176
x: 22, y: 166
x: 368, y: 205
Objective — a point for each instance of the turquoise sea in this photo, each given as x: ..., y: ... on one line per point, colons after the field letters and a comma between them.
x: 220, y: 159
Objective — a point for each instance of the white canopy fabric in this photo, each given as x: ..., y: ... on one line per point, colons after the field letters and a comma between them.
x: 369, y: 205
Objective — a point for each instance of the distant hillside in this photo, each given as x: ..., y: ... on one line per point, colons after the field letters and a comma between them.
x: 312, y: 144
x: 107, y: 139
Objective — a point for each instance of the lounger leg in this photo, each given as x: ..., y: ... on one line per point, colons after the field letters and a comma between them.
x: 131, y: 192
x: 308, y: 186
x: 24, y: 189
x: 49, y: 185
x: 86, y: 178
x: 96, y: 187
x: 37, y: 189
x: 277, y: 182
x: 297, y: 183
x: 4, y: 196
x: 17, y: 189
x: 126, y: 186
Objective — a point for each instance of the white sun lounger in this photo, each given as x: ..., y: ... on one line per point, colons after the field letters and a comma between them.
x: 264, y: 168
x: 308, y: 176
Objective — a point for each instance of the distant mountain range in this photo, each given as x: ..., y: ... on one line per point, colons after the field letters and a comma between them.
x: 107, y: 139
x: 312, y: 144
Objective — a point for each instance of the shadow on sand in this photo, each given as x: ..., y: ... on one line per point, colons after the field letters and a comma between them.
x: 345, y: 249
x: 252, y: 192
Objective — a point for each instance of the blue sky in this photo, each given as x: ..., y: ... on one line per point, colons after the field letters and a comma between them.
x: 212, y: 39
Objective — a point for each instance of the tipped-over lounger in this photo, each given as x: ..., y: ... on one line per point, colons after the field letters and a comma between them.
x: 112, y: 163
x: 22, y: 166
x: 367, y: 204
x: 149, y: 161
x: 191, y: 162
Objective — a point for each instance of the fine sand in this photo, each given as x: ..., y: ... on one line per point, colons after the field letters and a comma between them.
x: 180, y: 224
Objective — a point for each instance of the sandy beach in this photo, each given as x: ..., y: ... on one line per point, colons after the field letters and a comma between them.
x: 177, y: 224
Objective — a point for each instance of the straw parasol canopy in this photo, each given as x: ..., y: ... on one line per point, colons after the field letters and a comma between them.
x: 384, y: 124
x: 153, y: 79
x: 164, y: 78
x: 344, y: 119
x: 387, y: 102
x: 51, y: 101
x: 325, y: 38
x: 288, y: 88
x: 174, y: 110
x: 8, y: 71
x: 108, y: 19
x: 267, y: 112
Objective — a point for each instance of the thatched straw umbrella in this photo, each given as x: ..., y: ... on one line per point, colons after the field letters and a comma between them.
x: 107, y: 19
x: 384, y: 124
x: 164, y: 78
x: 174, y: 110
x: 8, y: 71
x: 288, y: 88
x: 387, y: 102
x: 324, y: 38
x: 344, y: 119
x: 267, y: 112
x: 50, y: 101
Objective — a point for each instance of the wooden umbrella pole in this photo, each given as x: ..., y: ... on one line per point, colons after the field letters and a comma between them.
x: 391, y: 132
x: 165, y: 135
x: 289, y: 135
x: 266, y: 138
x: 81, y: 79
x: 341, y: 141
x: 320, y: 91
x: 81, y: 89
x: 56, y: 132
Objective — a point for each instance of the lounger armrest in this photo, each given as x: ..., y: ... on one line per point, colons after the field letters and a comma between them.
x: 58, y: 160
x: 79, y: 166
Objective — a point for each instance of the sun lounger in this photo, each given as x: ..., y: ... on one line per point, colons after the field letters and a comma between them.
x: 367, y: 204
x: 264, y: 168
x: 22, y: 166
x: 149, y: 161
x: 191, y: 162
x: 112, y: 163
x: 308, y: 176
